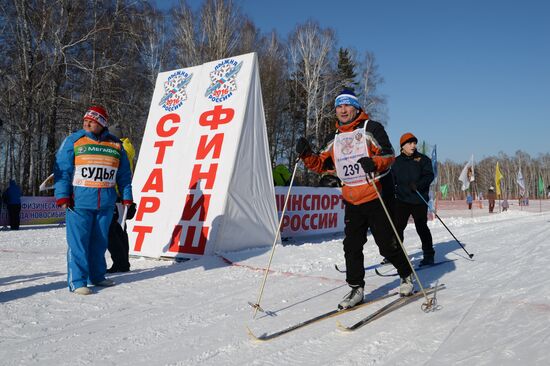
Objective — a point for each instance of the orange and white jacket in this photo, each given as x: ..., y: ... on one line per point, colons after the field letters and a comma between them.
x: 377, y: 146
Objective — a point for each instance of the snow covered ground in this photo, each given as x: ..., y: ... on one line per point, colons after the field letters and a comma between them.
x: 494, y: 311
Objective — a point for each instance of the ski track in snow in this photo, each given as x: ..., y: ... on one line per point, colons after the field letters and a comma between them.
x: 495, y: 308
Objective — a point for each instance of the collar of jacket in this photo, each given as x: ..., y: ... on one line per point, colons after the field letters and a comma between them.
x: 101, y: 137
x: 352, y: 125
x: 415, y: 154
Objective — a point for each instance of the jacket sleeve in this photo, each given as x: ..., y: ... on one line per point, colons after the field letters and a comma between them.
x: 124, y: 177
x: 426, y: 175
x: 64, y: 169
x: 320, y: 163
x: 380, y: 147
x: 130, y: 151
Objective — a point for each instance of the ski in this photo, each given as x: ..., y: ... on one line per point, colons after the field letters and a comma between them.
x: 417, y: 268
x: 374, y: 266
x: 339, y: 270
x: 329, y: 314
x: 256, y: 306
x: 388, y: 308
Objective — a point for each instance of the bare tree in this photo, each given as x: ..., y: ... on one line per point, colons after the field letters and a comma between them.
x: 185, y: 35
x: 250, y: 40
x: 311, y: 51
x: 273, y: 74
x: 220, y: 29
x: 148, y: 30
x: 214, y: 33
x: 59, y: 56
x: 372, y: 102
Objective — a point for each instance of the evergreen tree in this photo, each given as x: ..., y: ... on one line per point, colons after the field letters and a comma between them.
x: 346, y: 76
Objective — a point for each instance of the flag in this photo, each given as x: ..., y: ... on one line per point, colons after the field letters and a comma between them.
x: 444, y: 189
x: 467, y: 175
x: 434, y: 163
x: 521, y: 183
x: 498, y: 178
x: 541, y: 186
x: 433, y: 184
x: 48, y: 183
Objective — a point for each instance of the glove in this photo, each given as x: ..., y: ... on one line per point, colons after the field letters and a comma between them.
x: 131, y: 211
x: 328, y: 165
x: 65, y: 202
x: 367, y: 164
x: 303, y: 148
x: 412, y: 186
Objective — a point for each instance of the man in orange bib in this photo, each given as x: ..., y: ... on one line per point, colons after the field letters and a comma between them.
x: 89, y: 164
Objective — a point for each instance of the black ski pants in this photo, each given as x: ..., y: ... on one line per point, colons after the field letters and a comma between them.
x: 403, y: 211
x: 358, y: 219
x: 118, y: 245
x: 491, y: 205
x: 14, y: 214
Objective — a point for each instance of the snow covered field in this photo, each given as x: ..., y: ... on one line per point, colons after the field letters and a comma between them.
x: 494, y: 311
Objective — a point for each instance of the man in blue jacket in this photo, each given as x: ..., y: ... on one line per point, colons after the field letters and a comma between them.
x: 12, y: 199
x: 89, y: 164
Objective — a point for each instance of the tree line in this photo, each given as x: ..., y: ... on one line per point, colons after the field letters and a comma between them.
x: 535, y: 172
x: 60, y: 56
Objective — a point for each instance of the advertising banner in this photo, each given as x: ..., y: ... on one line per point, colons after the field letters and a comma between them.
x: 36, y: 211
x: 310, y: 211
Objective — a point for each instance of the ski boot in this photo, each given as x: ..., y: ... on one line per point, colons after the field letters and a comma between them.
x: 354, y: 297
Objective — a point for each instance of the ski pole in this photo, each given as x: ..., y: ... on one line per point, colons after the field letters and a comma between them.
x: 257, y: 306
x: 439, y: 218
x: 430, y: 303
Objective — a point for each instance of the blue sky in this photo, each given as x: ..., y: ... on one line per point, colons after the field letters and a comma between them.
x: 471, y: 76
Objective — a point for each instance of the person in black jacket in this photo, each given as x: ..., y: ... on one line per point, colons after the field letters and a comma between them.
x: 413, y: 174
x: 119, y: 245
x: 12, y: 199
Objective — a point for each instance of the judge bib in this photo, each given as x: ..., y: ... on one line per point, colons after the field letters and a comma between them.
x: 96, y: 163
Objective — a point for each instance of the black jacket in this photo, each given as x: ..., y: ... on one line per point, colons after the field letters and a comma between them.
x: 416, y: 169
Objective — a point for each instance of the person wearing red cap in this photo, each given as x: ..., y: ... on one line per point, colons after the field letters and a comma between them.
x: 361, y: 154
x: 412, y: 175
x: 89, y: 164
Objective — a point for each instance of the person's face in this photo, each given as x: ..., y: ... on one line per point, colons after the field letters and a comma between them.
x: 409, y: 148
x: 92, y: 126
x: 346, y: 113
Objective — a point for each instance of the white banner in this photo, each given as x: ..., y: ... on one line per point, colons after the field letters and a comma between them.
x: 203, y: 179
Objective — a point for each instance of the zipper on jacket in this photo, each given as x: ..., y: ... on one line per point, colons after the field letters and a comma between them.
x: 99, y: 198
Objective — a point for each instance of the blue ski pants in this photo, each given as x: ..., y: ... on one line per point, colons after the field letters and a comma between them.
x: 87, y: 238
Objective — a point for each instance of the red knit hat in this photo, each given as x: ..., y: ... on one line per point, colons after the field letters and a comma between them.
x: 407, y: 137
x: 97, y: 114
